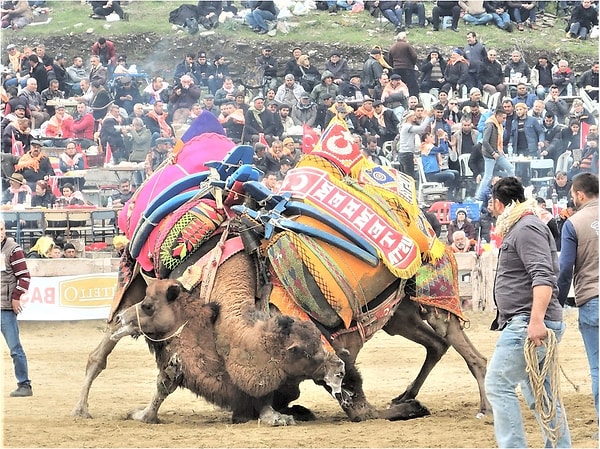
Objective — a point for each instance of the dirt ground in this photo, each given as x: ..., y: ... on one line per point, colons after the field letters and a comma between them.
x: 58, y: 352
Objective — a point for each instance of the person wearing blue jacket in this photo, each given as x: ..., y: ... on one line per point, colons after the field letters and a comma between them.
x: 431, y: 164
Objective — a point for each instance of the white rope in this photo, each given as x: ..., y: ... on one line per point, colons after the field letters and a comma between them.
x: 174, y: 334
x: 546, y: 401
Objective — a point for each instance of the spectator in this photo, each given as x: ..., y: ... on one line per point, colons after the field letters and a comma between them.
x: 225, y: 94
x: 187, y: 67
x: 70, y: 196
x: 157, y: 90
x: 516, y: 68
x: 15, y: 281
x: 87, y: 94
x: 431, y: 165
x: 17, y: 191
x: 290, y: 91
x: 60, y: 72
x: 561, y: 187
x: 34, y: 165
x: 372, y: 69
x: 523, y: 96
x: 304, y: 111
x: 541, y: 76
x: 100, y: 101
x: 112, y: 132
x: 337, y: 66
x: 392, y: 10
x: 491, y: 74
x: 445, y: 8
x: 499, y: 14
x: 75, y: 73
x: 326, y: 87
x: 432, y: 71
x: 404, y: 57
x: 70, y: 160
x: 60, y: 126
x: 456, y: 73
x: 16, y: 136
x: 290, y: 64
x: 367, y: 122
x: 17, y: 17
x: 182, y: 98
x: 461, y: 243
x: 69, y: 251
x: 103, y: 8
x: 208, y: 13
x: 38, y: 72
x: 387, y: 121
x: 123, y: 195
x: 219, y: 71
x: 474, y: 52
x: 122, y: 68
x: 83, y: 125
x: 307, y: 74
x: 415, y: 123
x: 138, y: 140
x: 564, y: 79
x: 475, y: 12
x: 258, y: 120
x: 18, y: 111
x: 412, y: 7
x: 527, y: 136
x: 354, y: 90
x: 461, y: 223
x: 580, y: 113
x: 43, y: 196
x: 269, y: 64
x: 158, y: 154
x: 233, y: 121
x: 588, y: 81
x: 203, y: 70
x: 262, y: 12
x: 523, y: 12
x: 127, y: 94
x: 98, y: 72
x: 583, y: 18
x: 553, y: 138
x: 52, y: 93
x: 322, y: 112
x: 383, y: 81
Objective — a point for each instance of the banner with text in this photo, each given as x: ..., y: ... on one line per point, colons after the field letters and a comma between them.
x: 64, y: 298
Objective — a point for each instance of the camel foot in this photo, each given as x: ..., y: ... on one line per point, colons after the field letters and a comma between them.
x: 299, y: 412
x: 81, y: 412
x: 404, y: 397
x: 143, y: 415
x: 407, y: 410
x: 273, y: 418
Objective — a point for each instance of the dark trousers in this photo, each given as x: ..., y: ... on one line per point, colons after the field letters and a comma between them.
x: 443, y: 12
x: 410, y: 79
x: 407, y: 164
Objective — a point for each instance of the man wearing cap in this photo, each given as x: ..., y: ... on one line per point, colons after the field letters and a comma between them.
x: 16, y: 114
x: 541, y: 75
x: 292, y: 63
x: 127, y: 94
x: 16, y: 136
x: 202, y: 71
x: 158, y: 154
x: 353, y: 89
x: 372, y: 69
x: 456, y: 73
x: 404, y: 57
x: 323, y: 112
x: 325, y: 87
x: 304, y: 111
x: 290, y: 91
x: 208, y: 104
x: 337, y: 66
x: 258, y: 120
x: 394, y: 95
x: 17, y: 191
x: 34, y: 165
x: 269, y: 64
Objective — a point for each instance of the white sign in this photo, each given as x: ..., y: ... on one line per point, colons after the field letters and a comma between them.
x: 65, y: 298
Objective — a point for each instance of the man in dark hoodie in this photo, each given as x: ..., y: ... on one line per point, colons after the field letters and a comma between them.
x: 432, y: 71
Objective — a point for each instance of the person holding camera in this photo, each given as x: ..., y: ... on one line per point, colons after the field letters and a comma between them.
x: 184, y: 95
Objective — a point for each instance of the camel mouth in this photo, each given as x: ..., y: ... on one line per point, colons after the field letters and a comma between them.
x: 125, y: 330
x: 334, y: 378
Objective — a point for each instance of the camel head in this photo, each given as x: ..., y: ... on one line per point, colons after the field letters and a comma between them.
x: 161, y: 314
x: 305, y: 352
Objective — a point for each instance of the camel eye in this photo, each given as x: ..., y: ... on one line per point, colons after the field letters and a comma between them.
x: 148, y: 308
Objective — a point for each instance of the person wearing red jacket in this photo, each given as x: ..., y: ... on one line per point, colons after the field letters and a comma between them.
x: 83, y: 125
x: 106, y: 51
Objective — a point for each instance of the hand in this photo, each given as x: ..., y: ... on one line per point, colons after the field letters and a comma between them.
x: 478, y: 179
x: 537, y: 332
x: 16, y: 306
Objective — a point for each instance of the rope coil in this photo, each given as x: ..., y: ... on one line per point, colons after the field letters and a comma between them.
x: 546, y: 401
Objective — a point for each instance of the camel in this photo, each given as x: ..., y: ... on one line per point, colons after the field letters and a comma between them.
x: 196, y: 348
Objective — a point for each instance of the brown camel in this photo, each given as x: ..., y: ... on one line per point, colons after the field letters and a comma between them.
x: 239, y: 369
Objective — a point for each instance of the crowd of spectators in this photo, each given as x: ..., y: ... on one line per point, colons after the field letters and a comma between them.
x: 386, y: 103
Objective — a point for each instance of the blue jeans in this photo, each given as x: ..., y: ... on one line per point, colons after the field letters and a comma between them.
x: 10, y: 331
x: 414, y: 8
x: 501, y: 19
x: 256, y: 18
x: 479, y: 19
x: 505, y: 371
x: 394, y: 16
x: 588, y: 326
x: 577, y: 30
x: 491, y: 164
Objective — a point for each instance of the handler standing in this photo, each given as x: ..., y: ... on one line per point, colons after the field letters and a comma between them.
x: 525, y: 292
x: 15, y: 280
x: 579, y: 249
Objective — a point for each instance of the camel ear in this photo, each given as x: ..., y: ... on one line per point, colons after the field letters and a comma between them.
x: 173, y: 292
x: 285, y: 324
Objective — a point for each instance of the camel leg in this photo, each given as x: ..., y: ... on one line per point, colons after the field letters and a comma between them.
x: 408, y: 323
x: 95, y: 365
x: 165, y: 385
x: 476, y: 362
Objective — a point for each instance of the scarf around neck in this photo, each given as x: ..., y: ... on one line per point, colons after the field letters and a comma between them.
x: 513, y: 213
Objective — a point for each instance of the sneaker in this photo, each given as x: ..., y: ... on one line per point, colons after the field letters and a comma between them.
x: 22, y: 391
